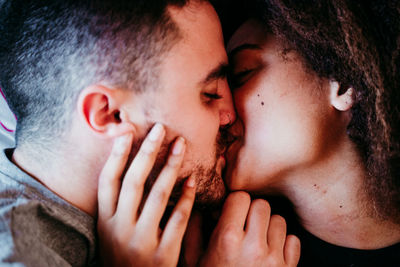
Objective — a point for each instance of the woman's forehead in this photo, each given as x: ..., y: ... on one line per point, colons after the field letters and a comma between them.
x: 250, y: 32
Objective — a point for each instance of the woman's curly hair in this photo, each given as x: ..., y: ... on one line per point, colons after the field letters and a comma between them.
x: 356, y: 43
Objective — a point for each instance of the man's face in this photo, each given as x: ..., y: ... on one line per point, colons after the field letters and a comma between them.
x: 192, y: 78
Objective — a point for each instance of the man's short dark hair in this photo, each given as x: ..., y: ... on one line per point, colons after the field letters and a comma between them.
x: 51, y: 49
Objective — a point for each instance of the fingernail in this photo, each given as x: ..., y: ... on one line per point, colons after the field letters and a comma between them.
x: 190, y: 182
x: 156, y: 132
x: 178, y: 146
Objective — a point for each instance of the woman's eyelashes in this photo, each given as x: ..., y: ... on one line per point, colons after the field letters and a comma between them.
x: 238, y: 79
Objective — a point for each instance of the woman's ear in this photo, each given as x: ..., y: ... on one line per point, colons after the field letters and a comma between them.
x: 100, y: 109
x: 341, y: 100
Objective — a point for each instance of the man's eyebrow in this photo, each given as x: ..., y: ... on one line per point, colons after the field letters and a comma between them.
x: 243, y: 47
x: 219, y: 72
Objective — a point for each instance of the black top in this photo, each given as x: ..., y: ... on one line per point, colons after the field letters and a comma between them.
x: 316, y: 252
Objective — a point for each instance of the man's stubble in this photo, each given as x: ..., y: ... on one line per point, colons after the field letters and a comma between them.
x: 211, y: 189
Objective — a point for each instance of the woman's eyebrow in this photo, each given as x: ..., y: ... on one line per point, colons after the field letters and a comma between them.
x: 243, y: 47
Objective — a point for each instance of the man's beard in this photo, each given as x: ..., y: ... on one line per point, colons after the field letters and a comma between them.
x: 210, y: 190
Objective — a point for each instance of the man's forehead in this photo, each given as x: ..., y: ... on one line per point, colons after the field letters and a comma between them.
x: 184, y: 70
x: 197, y: 19
x: 191, y: 13
x: 199, y: 56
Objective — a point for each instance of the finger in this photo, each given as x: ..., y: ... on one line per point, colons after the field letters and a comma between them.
x: 157, y: 200
x: 234, y: 212
x: 276, y: 233
x: 110, y: 176
x: 258, y: 221
x: 193, y: 241
x: 175, y: 229
x: 132, y: 186
x: 292, y: 250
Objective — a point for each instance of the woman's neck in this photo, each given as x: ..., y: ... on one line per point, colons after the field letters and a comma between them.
x: 330, y: 200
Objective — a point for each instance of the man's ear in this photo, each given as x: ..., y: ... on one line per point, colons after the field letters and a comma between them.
x: 341, y: 98
x: 100, y: 108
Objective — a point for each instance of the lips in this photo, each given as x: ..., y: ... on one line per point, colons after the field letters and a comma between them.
x: 237, y: 129
x: 233, y: 149
x: 235, y: 138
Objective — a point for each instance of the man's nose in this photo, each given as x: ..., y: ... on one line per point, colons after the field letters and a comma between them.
x: 227, y: 112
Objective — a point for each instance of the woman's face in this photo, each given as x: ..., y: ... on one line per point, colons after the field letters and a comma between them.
x: 285, y: 118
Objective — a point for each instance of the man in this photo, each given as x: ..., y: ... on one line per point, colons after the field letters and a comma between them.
x: 84, y: 75
x: 79, y: 74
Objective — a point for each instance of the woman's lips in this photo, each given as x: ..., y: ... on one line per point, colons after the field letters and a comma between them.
x: 236, y: 131
x: 231, y: 155
x: 221, y: 163
x: 235, y: 140
x: 233, y: 149
x: 222, y: 159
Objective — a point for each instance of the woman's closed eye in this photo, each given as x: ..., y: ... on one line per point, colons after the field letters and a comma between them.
x: 238, y: 79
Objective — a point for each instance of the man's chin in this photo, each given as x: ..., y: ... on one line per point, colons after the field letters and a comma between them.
x: 212, y: 193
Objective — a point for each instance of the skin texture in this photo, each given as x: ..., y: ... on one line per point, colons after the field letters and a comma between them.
x: 292, y: 141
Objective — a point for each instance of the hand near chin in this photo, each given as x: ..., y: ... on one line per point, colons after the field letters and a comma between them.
x: 246, y: 235
x: 131, y: 238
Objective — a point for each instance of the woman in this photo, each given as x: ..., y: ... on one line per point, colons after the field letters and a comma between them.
x: 316, y: 87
